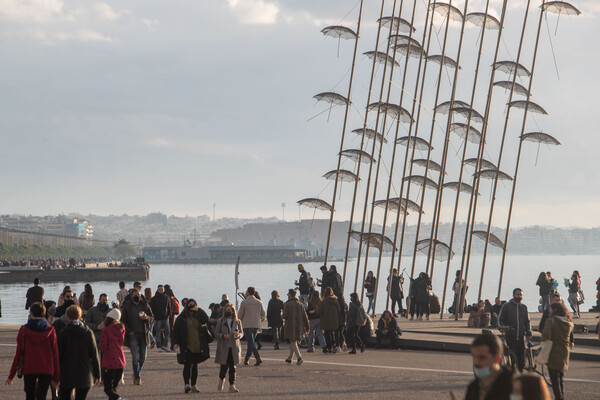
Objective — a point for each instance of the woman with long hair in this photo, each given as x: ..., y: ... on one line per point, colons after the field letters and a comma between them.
x: 314, y: 320
x: 574, y: 295
x: 274, y: 319
x: 86, y: 298
x: 113, y: 357
x: 190, y: 339
x: 545, y: 290
x: 529, y: 387
x: 329, y: 311
x: 557, y: 330
x: 228, y: 332
x: 370, y: 284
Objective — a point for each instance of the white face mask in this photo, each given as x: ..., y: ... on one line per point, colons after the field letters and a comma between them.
x: 516, y: 397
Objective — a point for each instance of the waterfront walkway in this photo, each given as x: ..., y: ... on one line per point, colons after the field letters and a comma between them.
x: 381, y: 374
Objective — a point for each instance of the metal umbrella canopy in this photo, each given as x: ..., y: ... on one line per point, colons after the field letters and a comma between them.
x: 539, y: 138
x: 334, y: 99
x: 493, y: 174
x: 441, y: 251
x: 401, y: 203
x: 396, y: 24
x: 410, y: 50
x: 518, y: 88
x: 483, y: 19
x: 443, y: 60
x: 339, y: 32
x: 510, y: 67
x: 403, y: 39
x: 413, y: 141
x: 464, y: 187
x: 391, y: 110
x: 421, y: 181
x: 377, y: 240
x: 447, y: 10
x: 494, y: 240
x: 560, y: 7
x: 527, y: 105
x: 468, y: 111
x: 444, y: 108
x: 315, y: 203
x: 422, y: 162
x: 483, y: 163
x: 382, y: 58
x: 392, y: 205
x: 464, y: 130
x: 370, y: 134
x: 358, y: 155
x: 344, y: 175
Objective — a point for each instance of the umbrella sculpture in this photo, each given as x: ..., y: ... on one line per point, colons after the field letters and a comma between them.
x: 382, y: 58
x: 339, y: 32
x: 483, y: 164
x: 392, y: 205
x: 443, y: 60
x: 520, y: 89
x: 494, y: 240
x: 559, y: 7
x: 464, y: 130
x: 447, y: 10
x: 344, y: 175
x: 527, y: 105
x: 414, y: 142
x: 370, y: 134
x: 410, y: 50
x: 317, y: 204
x: 334, y: 99
x: 493, y: 174
x: 468, y: 111
x: 510, y: 67
x: 540, y: 138
x: 358, y: 155
x: 391, y: 110
x: 444, y: 107
x: 403, y: 39
x: 421, y: 181
x: 481, y: 19
x: 441, y: 251
x: 396, y: 24
x: 433, y: 166
x: 464, y: 187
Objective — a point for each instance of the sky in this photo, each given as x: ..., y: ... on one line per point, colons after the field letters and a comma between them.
x: 142, y: 106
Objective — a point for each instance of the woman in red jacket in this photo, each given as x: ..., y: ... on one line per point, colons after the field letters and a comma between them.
x: 113, y: 357
x: 36, y: 342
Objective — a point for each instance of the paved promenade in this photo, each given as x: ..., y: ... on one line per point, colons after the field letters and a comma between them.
x: 380, y: 374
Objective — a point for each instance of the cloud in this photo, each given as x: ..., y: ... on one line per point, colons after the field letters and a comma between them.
x: 106, y: 11
x: 205, y: 147
x: 30, y: 10
x: 254, y: 11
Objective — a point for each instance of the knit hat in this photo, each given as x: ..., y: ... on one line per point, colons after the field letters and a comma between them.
x: 114, y: 314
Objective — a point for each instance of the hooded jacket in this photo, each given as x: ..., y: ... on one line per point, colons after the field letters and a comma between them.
x: 516, y: 317
x: 111, y: 346
x: 329, y: 310
x: 558, y: 330
x: 251, y: 312
x: 78, y: 356
x: 41, y: 351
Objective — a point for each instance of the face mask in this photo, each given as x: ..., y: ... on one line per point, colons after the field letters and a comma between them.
x: 53, y: 311
x: 482, y: 372
x: 136, y: 298
x: 516, y: 397
x: 103, y: 306
x: 518, y: 299
x: 227, y: 314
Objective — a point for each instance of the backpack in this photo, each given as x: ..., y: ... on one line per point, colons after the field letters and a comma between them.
x: 174, y: 305
x: 361, y: 315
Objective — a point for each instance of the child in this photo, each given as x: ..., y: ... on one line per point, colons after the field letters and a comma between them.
x: 113, y: 357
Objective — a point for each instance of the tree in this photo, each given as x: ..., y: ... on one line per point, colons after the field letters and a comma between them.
x: 124, y: 249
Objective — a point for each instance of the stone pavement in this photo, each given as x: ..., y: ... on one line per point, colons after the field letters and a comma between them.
x: 381, y: 374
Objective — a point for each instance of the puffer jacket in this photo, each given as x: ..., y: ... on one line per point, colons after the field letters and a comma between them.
x: 111, y: 346
x: 329, y: 310
x: 78, y: 356
x: 516, y: 317
x: 41, y: 350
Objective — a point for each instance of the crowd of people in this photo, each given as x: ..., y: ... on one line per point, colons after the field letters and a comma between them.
x: 78, y: 341
x: 47, y: 264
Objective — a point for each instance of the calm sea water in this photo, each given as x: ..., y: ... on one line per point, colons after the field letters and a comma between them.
x: 206, y: 283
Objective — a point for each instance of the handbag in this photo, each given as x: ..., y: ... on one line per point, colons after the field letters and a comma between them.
x: 544, y: 353
x: 180, y: 358
x: 207, y: 335
x: 21, y: 363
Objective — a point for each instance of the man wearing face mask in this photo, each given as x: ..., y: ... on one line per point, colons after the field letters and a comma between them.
x: 514, y: 322
x: 492, y: 381
x: 135, y: 316
x: 96, y: 315
x: 60, y: 313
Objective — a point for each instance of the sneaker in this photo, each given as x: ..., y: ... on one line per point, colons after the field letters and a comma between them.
x: 221, y: 385
x: 233, y: 389
x: 167, y: 349
x: 188, y: 389
x: 335, y: 349
x: 412, y: 318
x: 152, y: 345
x: 325, y: 350
x: 352, y: 352
x: 288, y: 360
x: 276, y: 347
x: 299, y: 362
x: 246, y: 361
x: 344, y: 347
x: 362, y: 348
x: 160, y: 350
x: 195, y: 389
x: 137, y: 381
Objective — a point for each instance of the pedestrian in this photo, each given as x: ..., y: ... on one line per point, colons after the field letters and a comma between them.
x: 328, y: 280
x: 329, y: 311
x: 598, y: 296
x: 161, y: 309
x: 191, y: 338
x: 314, y: 320
x: 224, y: 300
x: 545, y: 289
x: 228, y: 331
x: 296, y: 325
x: 575, y: 293
x: 529, y: 387
x: 423, y: 296
x: 412, y: 297
x: 148, y: 295
x: 113, y: 357
x: 274, y: 320
x: 96, y: 316
x: 552, y: 283
x: 387, y: 327
x: 50, y: 311
x: 135, y: 316
x: 370, y: 284
x: 175, y: 308
x: 495, y: 312
x: 492, y: 381
x: 257, y: 339
x: 35, y: 294
x: 357, y: 317
x: 514, y: 322
x: 121, y: 294
x: 341, y: 338
x: 251, y: 314
x: 86, y: 298
x: 36, y: 357
x: 78, y: 357
x: 336, y: 280
x: 557, y: 330
x: 395, y: 290
x: 303, y: 285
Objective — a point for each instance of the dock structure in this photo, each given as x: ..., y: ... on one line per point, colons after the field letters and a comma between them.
x: 89, y: 273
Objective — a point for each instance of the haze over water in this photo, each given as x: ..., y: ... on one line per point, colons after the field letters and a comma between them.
x: 207, y: 282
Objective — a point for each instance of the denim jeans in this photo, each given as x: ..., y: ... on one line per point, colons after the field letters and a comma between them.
x: 314, y: 327
x: 370, y: 304
x: 250, y: 335
x: 158, y: 326
x: 137, y: 345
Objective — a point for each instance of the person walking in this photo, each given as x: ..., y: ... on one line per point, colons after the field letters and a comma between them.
x: 135, y: 316
x: 87, y: 299
x: 274, y: 320
x: 296, y: 325
x: 336, y: 280
x: 35, y: 294
x: 251, y: 314
x: 357, y: 317
x: 78, y: 357
x: 412, y: 297
x: 423, y: 296
x: 121, y: 294
x: 557, y: 330
x: 329, y: 311
x: 161, y: 309
x: 191, y: 338
x: 96, y: 316
x: 303, y: 285
x: 113, y: 357
x: 314, y: 320
x: 514, y: 322
x: 36, y: 357
x: 395, y: 290
x: 574, y: 293
x: 228, y: 332
x: 492, y: 380
x: 545, y: 290
x: 370, y: 284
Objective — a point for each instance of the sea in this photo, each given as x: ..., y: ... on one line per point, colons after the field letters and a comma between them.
x: 206, y: 283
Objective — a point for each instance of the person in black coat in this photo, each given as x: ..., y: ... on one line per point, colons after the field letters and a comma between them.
x: 274, y: 320
x: 195, y: 349
x: 422, y: 296
x: 387, y: 327
x: 396, y: 293
x: 161, y: 308
x: 78, y: 357
x: 492, y: 381
x: 328, y: 280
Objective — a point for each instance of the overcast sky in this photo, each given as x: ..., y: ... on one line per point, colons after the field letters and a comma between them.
x: 141, y: 106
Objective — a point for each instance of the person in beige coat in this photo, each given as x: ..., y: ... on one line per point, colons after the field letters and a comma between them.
x: 228, y: 332
x: 557, y: 329
x: 251, y: 313
x: 296, y: 324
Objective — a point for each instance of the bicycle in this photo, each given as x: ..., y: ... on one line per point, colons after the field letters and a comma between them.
x: 530, y: 365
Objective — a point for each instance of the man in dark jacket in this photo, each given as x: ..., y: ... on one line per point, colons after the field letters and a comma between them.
x: 328, y: 280
x: 395, y: 290
x: 514, y: 322
x: 35, y: 294
x: 96, y: 315
x: 336, y: 281
x: 135, y: 316
x: 161, y: 308
x: 78, y: 357
x: 492, y: 382
x: 303, y: 285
